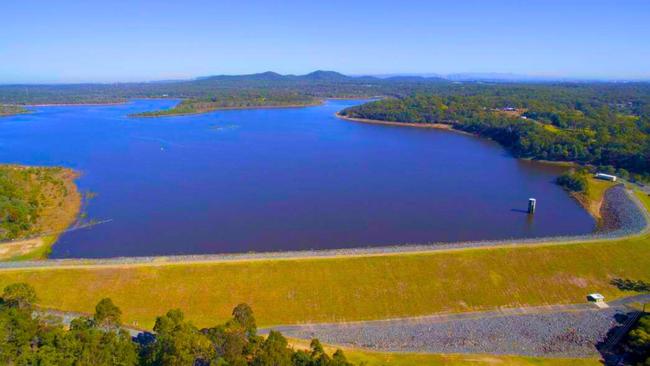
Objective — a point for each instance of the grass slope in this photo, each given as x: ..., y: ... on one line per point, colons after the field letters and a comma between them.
x: 353, y: 288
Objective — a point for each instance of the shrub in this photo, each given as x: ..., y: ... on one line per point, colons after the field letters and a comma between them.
x: 574, y: 181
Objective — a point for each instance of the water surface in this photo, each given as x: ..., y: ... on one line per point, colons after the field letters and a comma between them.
x: 281, y: 179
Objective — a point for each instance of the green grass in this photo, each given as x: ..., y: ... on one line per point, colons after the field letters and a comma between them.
x: 644, y: 197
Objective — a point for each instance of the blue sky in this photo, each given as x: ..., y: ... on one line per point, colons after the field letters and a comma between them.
x: 78, y: 41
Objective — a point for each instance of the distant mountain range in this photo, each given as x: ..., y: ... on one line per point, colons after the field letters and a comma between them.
x: 318, y: 75
x: 333, y: 76
x: 327, y: 76
x: 317, y: 84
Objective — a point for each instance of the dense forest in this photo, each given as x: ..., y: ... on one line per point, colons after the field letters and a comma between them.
x: 36, y: 200
x: 32, y: 337
x: 234, y: 100
x: 605, y: 125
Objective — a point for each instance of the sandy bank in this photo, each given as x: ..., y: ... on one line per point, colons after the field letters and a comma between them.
x: 438, y: 126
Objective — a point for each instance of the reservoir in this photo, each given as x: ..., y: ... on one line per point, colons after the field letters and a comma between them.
x: 281, y: 179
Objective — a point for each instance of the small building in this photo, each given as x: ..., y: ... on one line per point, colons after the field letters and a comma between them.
x: 603, y: 176
x: 596, y: 297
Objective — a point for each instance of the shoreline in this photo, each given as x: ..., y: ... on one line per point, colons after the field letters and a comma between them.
x: 592, y: 208
x: 436, y: 126
x: 449, y: 127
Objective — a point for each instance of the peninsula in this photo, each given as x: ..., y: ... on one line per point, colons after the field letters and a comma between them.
x: 9, y: 110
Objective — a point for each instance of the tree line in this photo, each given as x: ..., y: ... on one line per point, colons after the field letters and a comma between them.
x: 31, y: 337
x: 603, y: 126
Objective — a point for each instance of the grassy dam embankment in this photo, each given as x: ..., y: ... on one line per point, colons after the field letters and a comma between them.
x: 342, y: 288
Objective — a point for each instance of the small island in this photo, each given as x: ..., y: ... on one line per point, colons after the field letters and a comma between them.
x: 234, y: 101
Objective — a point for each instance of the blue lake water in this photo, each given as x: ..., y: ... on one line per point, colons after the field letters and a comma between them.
x: 281, y: 179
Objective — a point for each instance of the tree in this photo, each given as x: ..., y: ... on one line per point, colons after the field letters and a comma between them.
x: 178, y: 343
x: 107, y: 314
x: 33, y: 339
x: 639, y: 339
x: 318, y: 355
x: 574, y: 181
x: 339, y: 359
x: 274, y: 351
x: 20, y: 295
x: 230, y: 342
x: 243, y: 314
x: 301, y: 358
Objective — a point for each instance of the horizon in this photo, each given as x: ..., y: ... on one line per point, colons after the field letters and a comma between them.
x: 496, y: 77
x: 95, y: 42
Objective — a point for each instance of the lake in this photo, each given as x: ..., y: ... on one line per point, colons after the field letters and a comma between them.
x: 281, y: 179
